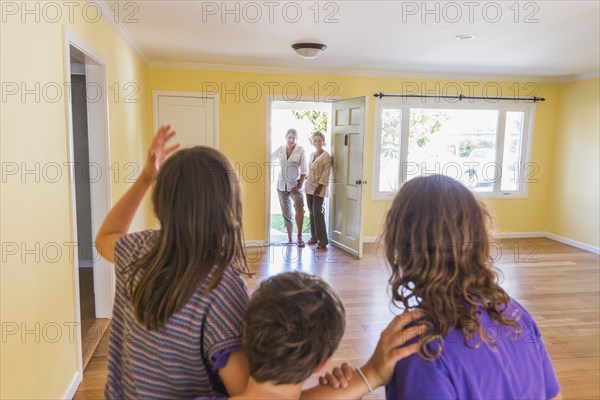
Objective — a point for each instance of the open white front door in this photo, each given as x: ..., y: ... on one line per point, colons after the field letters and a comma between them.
x: 347, y: 137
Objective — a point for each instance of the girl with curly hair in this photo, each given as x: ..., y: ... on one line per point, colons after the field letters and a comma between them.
x: 481, y: 343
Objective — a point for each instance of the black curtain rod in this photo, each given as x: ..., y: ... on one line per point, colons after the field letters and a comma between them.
x: 535, y: 99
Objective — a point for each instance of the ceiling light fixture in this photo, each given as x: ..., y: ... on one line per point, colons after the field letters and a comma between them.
x: 465, y: 37
x: 309, y: 50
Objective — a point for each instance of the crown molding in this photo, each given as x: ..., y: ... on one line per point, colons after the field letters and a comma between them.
x: 120, y: 29
x: 365, y: 73
x: 580, y: 77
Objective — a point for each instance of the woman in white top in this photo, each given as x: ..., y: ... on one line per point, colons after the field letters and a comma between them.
x: 319, y: 169
x: 292, y: 161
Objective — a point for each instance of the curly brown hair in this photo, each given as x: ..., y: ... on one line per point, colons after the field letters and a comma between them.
x: 437, y: 244
x: 294, y: 322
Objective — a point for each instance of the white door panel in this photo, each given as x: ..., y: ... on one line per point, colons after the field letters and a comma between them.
x: 192, y: 116
x: 348, y: 126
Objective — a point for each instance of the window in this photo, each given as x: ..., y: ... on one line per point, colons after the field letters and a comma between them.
x: 482, y: 144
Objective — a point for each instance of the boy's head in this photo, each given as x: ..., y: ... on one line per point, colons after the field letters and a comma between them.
x: 294, y: 323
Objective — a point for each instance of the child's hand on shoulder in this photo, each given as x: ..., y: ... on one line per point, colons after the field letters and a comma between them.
x: 378, y: 371
x: 391, y: 347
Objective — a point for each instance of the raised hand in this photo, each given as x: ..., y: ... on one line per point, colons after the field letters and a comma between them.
x: 118, y: 220
x: 158, y: 151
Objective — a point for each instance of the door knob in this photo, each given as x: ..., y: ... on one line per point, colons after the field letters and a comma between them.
x: 360, y: 182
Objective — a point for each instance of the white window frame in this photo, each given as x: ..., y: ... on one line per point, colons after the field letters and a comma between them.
x: 405, y: 104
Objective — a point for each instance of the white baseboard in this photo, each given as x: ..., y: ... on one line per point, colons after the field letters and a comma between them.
x: 517, y: 235
x: 548, y: 235
x: 574, y: 243
x: 72, y: 388
x: 256, y: 243
x: 499, y: 235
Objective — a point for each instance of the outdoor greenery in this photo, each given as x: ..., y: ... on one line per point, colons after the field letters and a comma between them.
x: 465, y: 146
x: 279, y: 226
x: 424, y: 123
x: 390, y: 133
x: 318, y: 119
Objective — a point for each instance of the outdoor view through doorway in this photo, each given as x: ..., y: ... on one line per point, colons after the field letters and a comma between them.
x: 306, y: 118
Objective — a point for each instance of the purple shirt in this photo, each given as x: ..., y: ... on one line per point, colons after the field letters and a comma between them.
x: 517, y: 368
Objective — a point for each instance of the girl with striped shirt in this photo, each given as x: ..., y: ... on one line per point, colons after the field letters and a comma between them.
x: 180, y: 300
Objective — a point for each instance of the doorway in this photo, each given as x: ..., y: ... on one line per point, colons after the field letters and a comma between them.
x: 306, y: 117
x: 90, y: 326
x: 87, y: 122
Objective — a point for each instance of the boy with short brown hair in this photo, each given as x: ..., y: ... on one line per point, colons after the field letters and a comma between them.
x: 293, y: 324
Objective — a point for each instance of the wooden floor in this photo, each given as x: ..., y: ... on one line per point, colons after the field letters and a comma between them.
x: 93, y: 328
x: 559, y: 285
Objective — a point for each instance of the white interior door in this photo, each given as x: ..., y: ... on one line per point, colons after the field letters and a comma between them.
x: 192, y: 115
x: 347, y: 134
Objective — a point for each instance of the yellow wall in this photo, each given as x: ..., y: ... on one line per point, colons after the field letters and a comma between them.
x: 575, y: 171
x: 39, y: 213
x: 243, y: 127
x: 42, y: 363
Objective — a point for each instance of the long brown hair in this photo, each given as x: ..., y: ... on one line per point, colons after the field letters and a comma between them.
x: 198, y: 202
x: 436, y: 242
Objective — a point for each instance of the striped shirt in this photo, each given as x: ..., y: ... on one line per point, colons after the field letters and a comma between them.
x: 181, y: 359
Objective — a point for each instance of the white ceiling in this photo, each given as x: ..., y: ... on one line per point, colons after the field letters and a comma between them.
x: 542, y: 39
